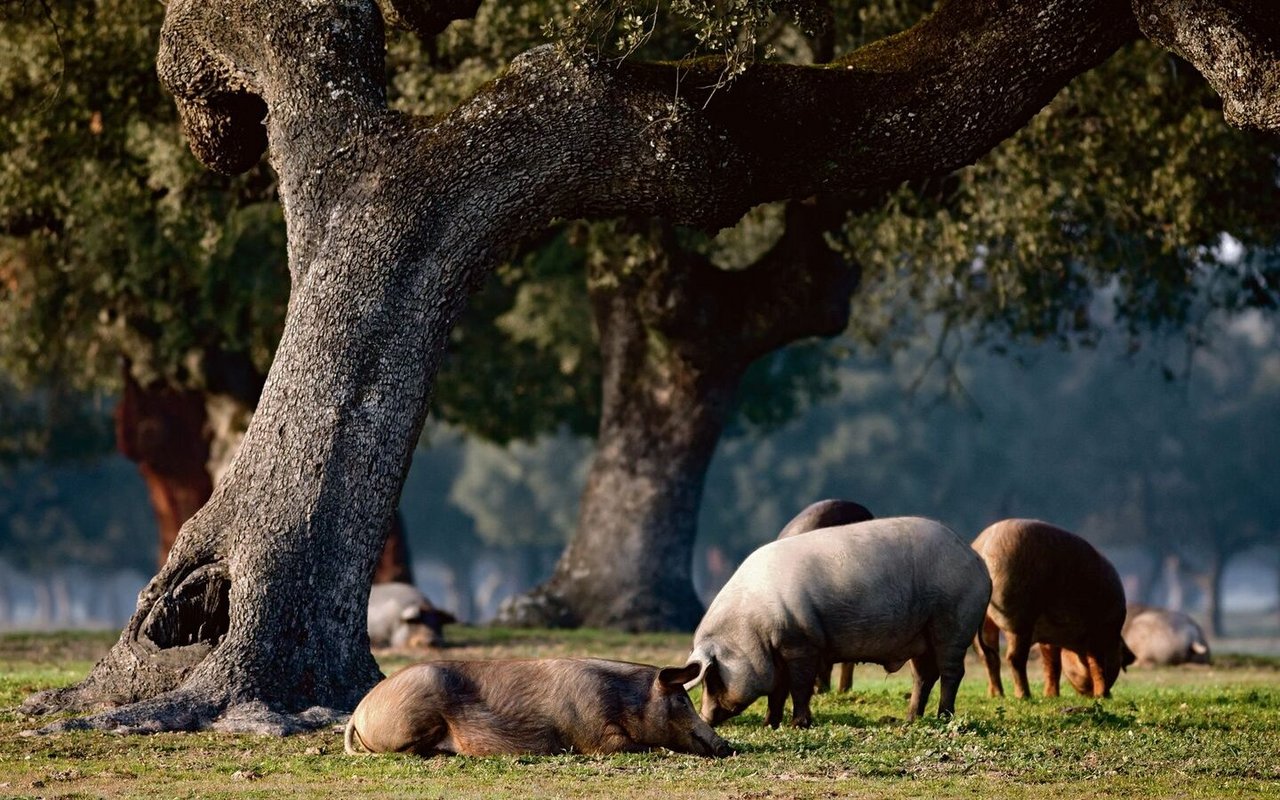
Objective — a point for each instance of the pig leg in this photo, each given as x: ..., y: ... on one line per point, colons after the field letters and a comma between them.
x: 803, y: 671
x: 823, y: 684
x: 1095, y: 674
x: 846, y: 676
x: 1019, y: 650
x: 1051, y: 657
x: 777, y: 700
x: 988, y: 644
x: 924, y: 670
x: 950, y: 665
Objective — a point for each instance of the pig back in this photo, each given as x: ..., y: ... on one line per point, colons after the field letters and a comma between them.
x: 1050, y: 581
x: 861, y: 592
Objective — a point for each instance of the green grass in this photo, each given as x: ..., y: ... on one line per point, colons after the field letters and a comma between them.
x: 1192, y: 732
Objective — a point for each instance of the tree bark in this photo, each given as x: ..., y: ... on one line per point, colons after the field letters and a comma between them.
x: 257, y: 620
x: 183, y: 440
x: 676, y: 336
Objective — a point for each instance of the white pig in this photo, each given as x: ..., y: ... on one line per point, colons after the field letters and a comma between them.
x: 885, y: 591
x: 401, y: 616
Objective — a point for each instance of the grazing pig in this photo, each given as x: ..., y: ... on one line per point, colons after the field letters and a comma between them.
x: 1051, y: 587
x: 885, y: 591
x: 401, y: 616
x: 828, y: 514
x: 537, y: 706
x: 1158, y: 636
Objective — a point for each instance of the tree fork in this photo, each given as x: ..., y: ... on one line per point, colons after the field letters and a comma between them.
x: 676, y: 337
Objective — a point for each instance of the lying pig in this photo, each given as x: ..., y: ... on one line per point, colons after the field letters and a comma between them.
x: 1051, y: 587
x: 537, y: 706
x: 885, y: 591
x: 401, y: 616
x: 1164, y: 637
x: 828, y: 514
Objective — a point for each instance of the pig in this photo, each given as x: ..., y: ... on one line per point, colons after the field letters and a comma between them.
x: 1158, y: 636
x: 1051, y: 587
x: 884, y: 591
x: 827, y: 514
x: 401, y: 616
x: 535, y: 706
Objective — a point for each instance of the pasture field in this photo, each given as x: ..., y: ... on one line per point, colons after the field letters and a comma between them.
x: 1184, y: 732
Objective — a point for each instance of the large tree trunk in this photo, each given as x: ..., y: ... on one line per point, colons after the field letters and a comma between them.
x: 257, y: 620
x: 183, y: 441
x: 676, y: 336
x: 629, y: 564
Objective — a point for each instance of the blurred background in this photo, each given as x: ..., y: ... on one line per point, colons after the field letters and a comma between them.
x: 1175, y: 480
x: 1079, y: 328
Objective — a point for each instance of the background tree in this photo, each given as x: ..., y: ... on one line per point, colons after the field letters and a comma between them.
x: 391, y: 220
x: 1013, y: 245
x: 134, y: 270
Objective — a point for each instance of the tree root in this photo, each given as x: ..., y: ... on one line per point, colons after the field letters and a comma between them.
x: 191, y: 710
x: 181, y: 710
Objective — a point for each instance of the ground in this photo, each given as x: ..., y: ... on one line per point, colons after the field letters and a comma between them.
x: 1189, y: 732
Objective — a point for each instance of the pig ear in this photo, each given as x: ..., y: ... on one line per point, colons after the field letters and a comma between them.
x: 439, y: 616
x: 699, y: 663
x: 679, y: 676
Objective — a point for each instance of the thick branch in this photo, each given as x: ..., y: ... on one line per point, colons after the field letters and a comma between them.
x: 800, y: 288
x: 1235, y: 44
x: 427, y: 18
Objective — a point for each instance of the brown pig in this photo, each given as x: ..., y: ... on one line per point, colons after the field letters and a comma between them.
x: 536, y: 706
x: 828, y: 514
x: 1051, y: 587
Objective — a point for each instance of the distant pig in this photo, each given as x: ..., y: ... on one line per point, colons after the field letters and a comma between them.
x: 885, y: 591
x: 825, y: 514
x: 828, y: 514
x: 1051, y: 587
x: 1158, y: 636
x: 401, y: 616
x: 536, y: 706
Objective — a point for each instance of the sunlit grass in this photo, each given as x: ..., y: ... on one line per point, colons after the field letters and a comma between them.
x: 1196, y: 732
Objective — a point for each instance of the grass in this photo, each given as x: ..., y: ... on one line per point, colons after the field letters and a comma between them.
x: 1190, y: 732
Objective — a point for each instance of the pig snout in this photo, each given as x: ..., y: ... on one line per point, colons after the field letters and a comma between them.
x: 701, y: 740
x: 714, y: 746
x: 417, y: 636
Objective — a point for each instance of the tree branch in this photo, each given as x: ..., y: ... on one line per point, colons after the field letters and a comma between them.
x: 428, y: 18
x: 1235, y: 44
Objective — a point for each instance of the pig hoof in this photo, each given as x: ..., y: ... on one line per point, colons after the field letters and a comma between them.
x: 801, y: 722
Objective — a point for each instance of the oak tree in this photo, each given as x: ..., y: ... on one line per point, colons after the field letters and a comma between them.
x: 256, y: 621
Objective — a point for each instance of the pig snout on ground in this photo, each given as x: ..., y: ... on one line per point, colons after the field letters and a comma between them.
x: 882, y: 591
x: 1053, y: 588
x: 1162, y: 637
x: 401, y: 616
x: 534, y: 706
x: 828, y: 514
